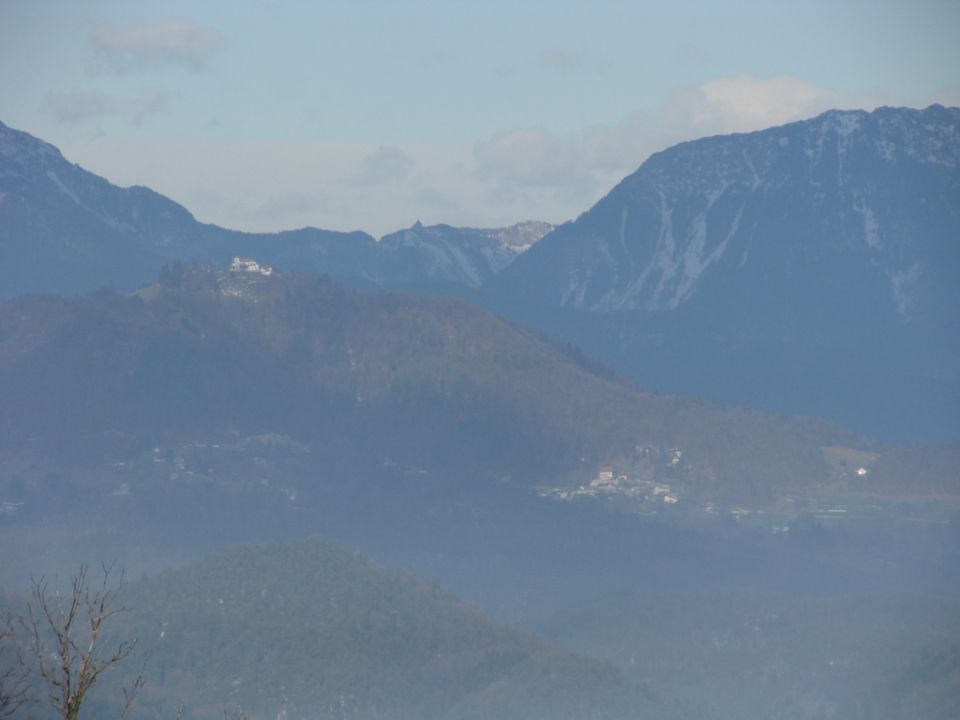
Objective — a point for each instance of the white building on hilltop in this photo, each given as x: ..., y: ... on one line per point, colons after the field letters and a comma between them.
x: 242, y: 264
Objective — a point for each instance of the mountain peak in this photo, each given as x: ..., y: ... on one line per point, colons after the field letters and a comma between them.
x: 699, y: 205
x: 24, y: 149
x: 832, y: 232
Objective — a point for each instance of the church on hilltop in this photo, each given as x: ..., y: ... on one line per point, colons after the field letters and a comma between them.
x: 242, y: 264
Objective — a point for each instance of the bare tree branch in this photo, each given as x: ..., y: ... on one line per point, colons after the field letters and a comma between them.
x: 67, y: 640
x: 234, y: 713
x: 14, y: 674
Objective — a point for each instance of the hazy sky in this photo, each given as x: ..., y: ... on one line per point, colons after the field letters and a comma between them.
x: 368, y: 114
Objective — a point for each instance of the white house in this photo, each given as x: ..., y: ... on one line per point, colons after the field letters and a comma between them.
x: 243, y: 264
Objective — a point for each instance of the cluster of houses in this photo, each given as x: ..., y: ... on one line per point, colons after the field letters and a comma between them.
x: 249, y: 265
x: 8, y: 507
x: 606, y: 484
x: 647, y: 496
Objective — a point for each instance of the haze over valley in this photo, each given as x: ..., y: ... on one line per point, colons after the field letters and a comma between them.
x: 690, y: 450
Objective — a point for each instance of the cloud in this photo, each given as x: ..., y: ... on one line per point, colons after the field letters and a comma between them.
x: 531, y: 156
x: 539, y: 158
x: 80, y: 106
x: 177, y: 43
x: 291, y: 204
x: 745, y: 103
x: 383, y: 166
x: 561, y: 60
x: 435, y: 200
x: 532, y: 172
x: 517, y: 173
x: 573, y: 170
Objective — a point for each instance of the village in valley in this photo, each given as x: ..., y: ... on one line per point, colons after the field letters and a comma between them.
x: 657, y: 482
x: 667, y: 483
x: 640, y: 487
x: 851, y: 486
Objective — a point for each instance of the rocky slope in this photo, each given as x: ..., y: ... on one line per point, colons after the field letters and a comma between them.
x: 808, y: 268
x: 458, y: 257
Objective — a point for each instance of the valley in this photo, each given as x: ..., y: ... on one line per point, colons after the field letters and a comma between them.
x: 653, y: 482
x: 690, y: 455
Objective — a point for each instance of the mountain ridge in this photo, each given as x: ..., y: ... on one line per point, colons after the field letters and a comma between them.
x: 322, y: 356
x: 808, y: 268
x: 705, y: 163
x: 64, y: 229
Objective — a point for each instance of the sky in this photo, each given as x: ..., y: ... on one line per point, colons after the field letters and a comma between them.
x: 371, y: 115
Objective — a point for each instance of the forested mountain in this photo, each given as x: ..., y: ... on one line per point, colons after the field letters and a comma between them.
x: 217, y: 407
x: 808, y: 268
x: 833, y: 625
x: 359, y: 379
x: 728, y: 653
x: 308, y: 630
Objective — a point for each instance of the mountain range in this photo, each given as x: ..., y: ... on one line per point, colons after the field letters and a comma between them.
x: 805, y: 269
x: 64, y: 229
x: 718, y: 561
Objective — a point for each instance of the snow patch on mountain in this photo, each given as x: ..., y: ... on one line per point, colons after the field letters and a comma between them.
x: 871, y: 228
x: 63, y: 188
x: 464, y: 256
x: 651, y: 242
x: 903, y: 286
